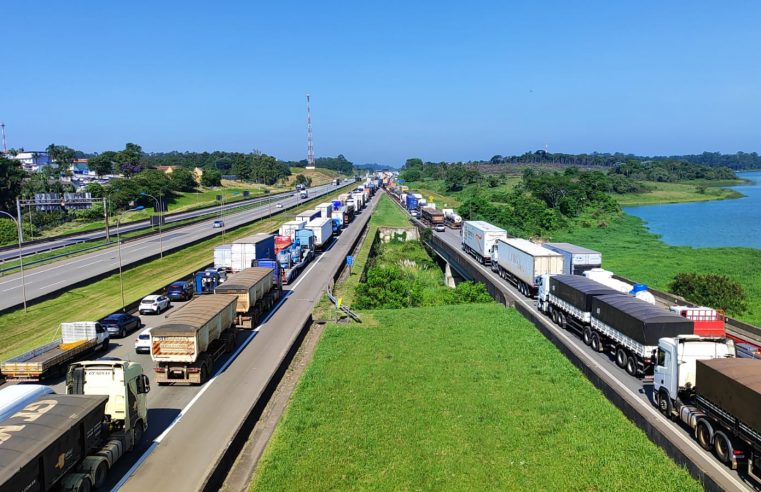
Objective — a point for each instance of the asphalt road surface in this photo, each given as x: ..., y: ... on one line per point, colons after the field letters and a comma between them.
x: 641, y: 391
x: 177, y: 449
x: 30, y: 249
x: 55, y: 276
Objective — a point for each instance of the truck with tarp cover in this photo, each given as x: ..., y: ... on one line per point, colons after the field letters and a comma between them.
x: 631, y: 327
x: 256, y: 291
x: 186, y: 345
x: 71, y: 442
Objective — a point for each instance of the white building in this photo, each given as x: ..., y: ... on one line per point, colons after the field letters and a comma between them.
x: 32, y: 161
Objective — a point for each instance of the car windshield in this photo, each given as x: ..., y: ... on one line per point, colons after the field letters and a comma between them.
x: 112, y: 317
x: 144, y: 337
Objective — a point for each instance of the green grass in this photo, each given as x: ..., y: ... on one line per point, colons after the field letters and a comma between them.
x: 442, y: 399
x: 452, y: 199
x: 21, y: 331
x: 629, y: 249
x: 387, y: 214
x: 679, y: 192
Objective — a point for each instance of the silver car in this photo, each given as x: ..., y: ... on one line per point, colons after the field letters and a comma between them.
x: 154, y: 304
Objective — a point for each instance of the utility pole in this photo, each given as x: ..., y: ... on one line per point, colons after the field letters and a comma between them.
x: 310, y: 146
x: 5, y: 145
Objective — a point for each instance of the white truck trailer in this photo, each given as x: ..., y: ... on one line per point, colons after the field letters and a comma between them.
x: 478, y: 239
x: 577, y: 259
x: 187, y: 344
x: 521, y: 262
x: 289, y: 228
x: 323, y: 231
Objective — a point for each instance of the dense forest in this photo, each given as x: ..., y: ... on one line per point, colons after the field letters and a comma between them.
x: 737, y: 161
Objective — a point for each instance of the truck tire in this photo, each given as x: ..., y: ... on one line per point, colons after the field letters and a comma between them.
x: 722, y: 447
x: 204, y: 373
x: 586, y: 335
x: 100, y: 474
x: 554, y: 316
x: 704, y: 434
x: 563, y: 321
x: 631, y: 366
x: 664, y: 403
x: 621, y: 357
x: 596, y: 343
x: 139, y: 432
x: 84, y: 485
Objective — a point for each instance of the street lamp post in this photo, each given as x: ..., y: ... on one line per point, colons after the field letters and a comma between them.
x: 221, y: 212
x: 20, y: 256
x: 119, y: 247
x: 159, y: 208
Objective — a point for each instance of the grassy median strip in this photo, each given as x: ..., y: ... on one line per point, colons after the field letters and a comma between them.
x: 21, y: 331
x: 465, y: 398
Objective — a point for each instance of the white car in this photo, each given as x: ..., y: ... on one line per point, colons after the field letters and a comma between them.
x: 143, y: 342
x: 154, y: 304
x: 440, y: 228
x: 278, y: 205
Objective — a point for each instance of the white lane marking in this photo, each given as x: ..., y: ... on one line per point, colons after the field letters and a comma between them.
x: 646, y: 406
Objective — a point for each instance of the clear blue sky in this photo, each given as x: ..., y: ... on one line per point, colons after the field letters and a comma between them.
x: 389, y: 80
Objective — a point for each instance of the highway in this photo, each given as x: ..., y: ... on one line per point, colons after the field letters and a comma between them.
x: 56, y: 276
x: 638, y: 392
x: 190, y: 425
x: 9, y: 254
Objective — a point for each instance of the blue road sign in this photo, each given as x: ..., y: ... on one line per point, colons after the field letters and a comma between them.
x: 350, y: 260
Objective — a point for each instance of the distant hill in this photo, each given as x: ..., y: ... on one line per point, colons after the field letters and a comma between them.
x: 376, y: 167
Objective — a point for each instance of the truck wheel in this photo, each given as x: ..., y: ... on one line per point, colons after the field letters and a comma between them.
x: 101, y: 472
x: 722, y: 447
x: 204, y: 373
x: 563, y: 320
x: 139, y: 431
x: 631, y: 366
x: 664, y: 404
x: 84, y: 485
x: 621, y: 357
x: 595, y: 342
x: 554, y: 316
x: 587, y: 335
x: 703, y: 433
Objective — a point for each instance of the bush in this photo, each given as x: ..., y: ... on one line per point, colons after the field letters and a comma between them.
x: 211, y: 177
x: 716, y: 291
x: 8, y: 231
x: 182, y: 180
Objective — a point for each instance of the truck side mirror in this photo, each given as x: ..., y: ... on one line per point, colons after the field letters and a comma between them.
x: 143, y: 385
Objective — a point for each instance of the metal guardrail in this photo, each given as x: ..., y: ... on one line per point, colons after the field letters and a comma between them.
x: 343, y: 309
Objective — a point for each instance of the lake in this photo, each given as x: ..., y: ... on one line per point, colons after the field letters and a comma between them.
x: 709, y: 224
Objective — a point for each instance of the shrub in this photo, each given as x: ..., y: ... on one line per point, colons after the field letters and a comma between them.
x: 713, y: 290
x: 8, y: 231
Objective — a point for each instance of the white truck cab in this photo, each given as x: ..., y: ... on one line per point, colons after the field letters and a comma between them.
x: 674, y: 370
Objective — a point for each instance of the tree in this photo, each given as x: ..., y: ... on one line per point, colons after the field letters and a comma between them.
x: 11, y: 177
x: 455, y: 177
x: 211, y: 177
x: 8, y: 231
x: 62, y: 155
x: 301, y: 179
x: 103, y: 163
x: 717, y: 291
x: 130, y: 159
x: 182, y: 180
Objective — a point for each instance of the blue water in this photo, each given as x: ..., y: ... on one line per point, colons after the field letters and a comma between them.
x: 709, y: 224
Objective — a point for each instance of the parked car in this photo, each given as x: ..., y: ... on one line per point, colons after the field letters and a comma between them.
x: 180, y: 291
x: 119, y: 324
x: 143, y: 342
x: 154, y: 304
x: 218, y: 224
x: 439, y: 228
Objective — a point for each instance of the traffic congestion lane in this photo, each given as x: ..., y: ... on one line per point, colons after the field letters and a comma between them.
x: 55, y: 276
x: 604, y: 362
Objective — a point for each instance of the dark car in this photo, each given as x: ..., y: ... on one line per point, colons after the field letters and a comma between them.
x: 119, y: 324
x: 180, y: 291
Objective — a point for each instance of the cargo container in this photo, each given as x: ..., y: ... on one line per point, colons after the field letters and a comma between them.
x: 576, y: 259
x: 70, y: 442
x: 631, y: 328
x: 715, y: 395
x: 223, y: 257
x: 248, y: 249
x: 290, y: 227
x: 411, y: 202
x: 323, y: 231
x: 256, y: 292
x: 308, y: 215
x: 186, y: 345
x: 325, y: 209
x: 478, y: 239
x: 282, y: 242
x: 78, y: 340
x: 432, y: 216
x: 522, y: 262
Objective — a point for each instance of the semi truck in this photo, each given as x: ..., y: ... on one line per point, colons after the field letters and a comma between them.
x: 294, y: 259
x: 308, y: 215
x: 248, y: 249
x: 223, y: 257
x: 567, y: 299
x: 478, y: 239
x: 576, y: 259
x: 71, y: 442
x: 289, y: 228
x: 186, y: 346
x: 325, y: 209
x: 323, y: 231
x: 631, y: 328
x: 432, y: 216
x: 521, y: 262
x: 452, y: 219
x: 78, y: 339
x: 716, y: 395
x: 256, y: 291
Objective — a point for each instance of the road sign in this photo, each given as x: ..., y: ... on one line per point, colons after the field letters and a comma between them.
x: 350, y: 260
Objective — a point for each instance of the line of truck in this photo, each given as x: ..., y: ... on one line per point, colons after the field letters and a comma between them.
x: 70, y: 442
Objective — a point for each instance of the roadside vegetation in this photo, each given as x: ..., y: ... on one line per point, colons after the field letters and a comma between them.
x: 434, y: 398
x: 21, y: 331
